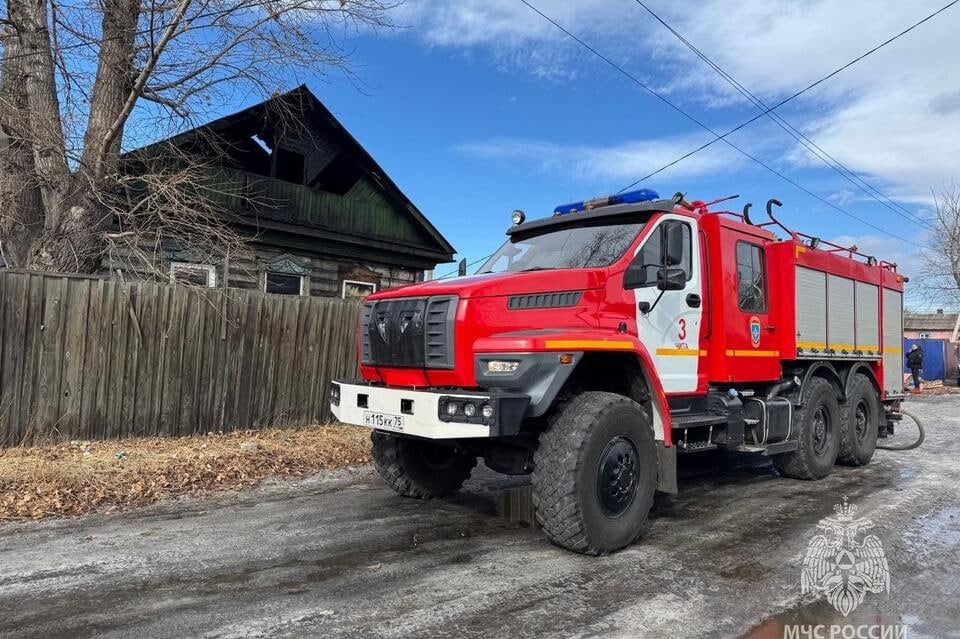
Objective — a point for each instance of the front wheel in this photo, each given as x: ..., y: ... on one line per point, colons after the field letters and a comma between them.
x: 420, y: 468
x: 595, y: 474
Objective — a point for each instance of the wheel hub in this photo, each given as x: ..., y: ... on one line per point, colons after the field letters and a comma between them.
x: 617, y: 474
x: 821, y: 428
x: 861, y: 421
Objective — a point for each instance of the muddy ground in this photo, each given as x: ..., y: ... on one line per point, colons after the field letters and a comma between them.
x: 339, y: 555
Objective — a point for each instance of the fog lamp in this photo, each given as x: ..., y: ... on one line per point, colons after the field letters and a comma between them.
x: 335, y: 394
x: 487, y: 411
x: 451, y: 408
x: 502, y: 366
x: 469, y: 409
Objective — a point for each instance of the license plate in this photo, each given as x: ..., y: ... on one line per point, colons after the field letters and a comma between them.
x: 383, y: 421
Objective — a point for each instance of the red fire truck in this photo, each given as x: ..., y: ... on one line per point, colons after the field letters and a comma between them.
x: 599, y: 343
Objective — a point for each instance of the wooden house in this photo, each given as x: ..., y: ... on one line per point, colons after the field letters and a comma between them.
x: 323, y: 217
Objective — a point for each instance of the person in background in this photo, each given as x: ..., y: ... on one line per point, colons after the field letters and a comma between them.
x: 915, y: 362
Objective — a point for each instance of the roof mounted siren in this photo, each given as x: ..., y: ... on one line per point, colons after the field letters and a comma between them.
x: 630, y: 197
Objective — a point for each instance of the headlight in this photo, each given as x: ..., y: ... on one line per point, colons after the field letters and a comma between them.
x: 467, y: 410
x: 501, y: 366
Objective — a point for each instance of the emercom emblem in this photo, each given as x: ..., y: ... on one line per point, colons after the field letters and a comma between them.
x: 843, y: 564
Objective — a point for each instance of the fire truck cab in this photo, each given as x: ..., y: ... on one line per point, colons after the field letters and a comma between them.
x: 599, y: 343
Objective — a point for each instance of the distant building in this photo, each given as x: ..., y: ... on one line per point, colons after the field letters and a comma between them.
x: 937, y: 325
x: 325, y: 217
x: 934, y: 332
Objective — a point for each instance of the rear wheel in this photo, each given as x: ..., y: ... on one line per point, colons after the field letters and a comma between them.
x: 818, y: 426
x: 858, y: 436
x: 595, y: 473
x: 420, y: 468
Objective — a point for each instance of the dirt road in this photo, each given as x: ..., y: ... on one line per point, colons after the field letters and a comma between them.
x: 339, y: 555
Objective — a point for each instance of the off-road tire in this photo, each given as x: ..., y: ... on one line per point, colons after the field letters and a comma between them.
x: 420, y: 468
x: 814, y: 457
x: 566, y: 495
x: 863, y: 409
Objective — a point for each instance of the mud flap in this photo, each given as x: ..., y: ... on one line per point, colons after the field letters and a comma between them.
x: 667, y: 467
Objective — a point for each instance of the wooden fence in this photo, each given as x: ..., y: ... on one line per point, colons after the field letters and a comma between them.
x: 86, y: 358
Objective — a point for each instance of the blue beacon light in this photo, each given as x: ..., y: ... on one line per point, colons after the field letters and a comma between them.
x: 630, y: 197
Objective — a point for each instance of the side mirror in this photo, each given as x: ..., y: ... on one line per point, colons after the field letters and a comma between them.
x: 674, y: 245
x: 635, y: 276
x: 671, y: 279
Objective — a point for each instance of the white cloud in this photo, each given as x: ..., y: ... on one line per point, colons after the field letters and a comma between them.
x: 895, y: 116
x: 620, y: 163
x: 515, y: 36
x: 842, y: 197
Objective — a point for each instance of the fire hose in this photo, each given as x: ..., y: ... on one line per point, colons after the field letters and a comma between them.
x: 915, y: 444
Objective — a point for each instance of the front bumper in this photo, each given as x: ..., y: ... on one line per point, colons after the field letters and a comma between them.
x: 417, y: 413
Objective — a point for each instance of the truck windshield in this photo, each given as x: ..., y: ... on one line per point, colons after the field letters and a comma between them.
x: 580, y: 247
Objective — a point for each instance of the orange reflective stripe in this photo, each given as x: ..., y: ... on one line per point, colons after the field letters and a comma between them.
x: 588, y: 344
x: 739, y: 353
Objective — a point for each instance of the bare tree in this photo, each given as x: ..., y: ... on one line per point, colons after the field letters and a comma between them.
x: 74, y: 78
x: 939, y: 278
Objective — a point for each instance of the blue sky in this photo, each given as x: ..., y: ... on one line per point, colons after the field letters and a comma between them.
x: 479, y: 107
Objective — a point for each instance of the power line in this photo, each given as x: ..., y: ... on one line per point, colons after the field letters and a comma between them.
x: 723, y: 137
x: 794, y: 95
x: 809, y: 144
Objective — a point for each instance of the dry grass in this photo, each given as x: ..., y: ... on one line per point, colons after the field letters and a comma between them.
x: 65, y: 479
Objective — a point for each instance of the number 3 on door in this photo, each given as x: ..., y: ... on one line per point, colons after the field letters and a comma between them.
x: 683, y: 329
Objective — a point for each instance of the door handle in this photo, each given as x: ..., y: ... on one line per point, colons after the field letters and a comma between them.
x: 693, y: 300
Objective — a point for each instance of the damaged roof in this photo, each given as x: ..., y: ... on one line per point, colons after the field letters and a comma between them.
x: 236, y: 138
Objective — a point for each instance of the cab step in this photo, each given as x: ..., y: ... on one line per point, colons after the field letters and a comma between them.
x: 694, y: 421
x: 769, y: 449
x: 695, y: 447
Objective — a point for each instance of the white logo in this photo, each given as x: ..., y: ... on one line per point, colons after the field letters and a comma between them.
x: 841, y: 566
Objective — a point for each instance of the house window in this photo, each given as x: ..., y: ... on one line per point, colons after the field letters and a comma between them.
x: 289, y: 166
x: 283, y: 283
x: 357, y: 290
x: 925, y: 335
x: 193, y: 274
x: 751, y: 278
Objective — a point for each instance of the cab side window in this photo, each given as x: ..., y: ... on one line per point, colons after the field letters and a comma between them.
x: 652, y: 254
x: 751, y: 278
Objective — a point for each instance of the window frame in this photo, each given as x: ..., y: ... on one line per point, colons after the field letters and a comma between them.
x: 210, y: 270
x: 763, y: 270
x: 661, y: 229
x: 343, y: 287
x: 303, y: 282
